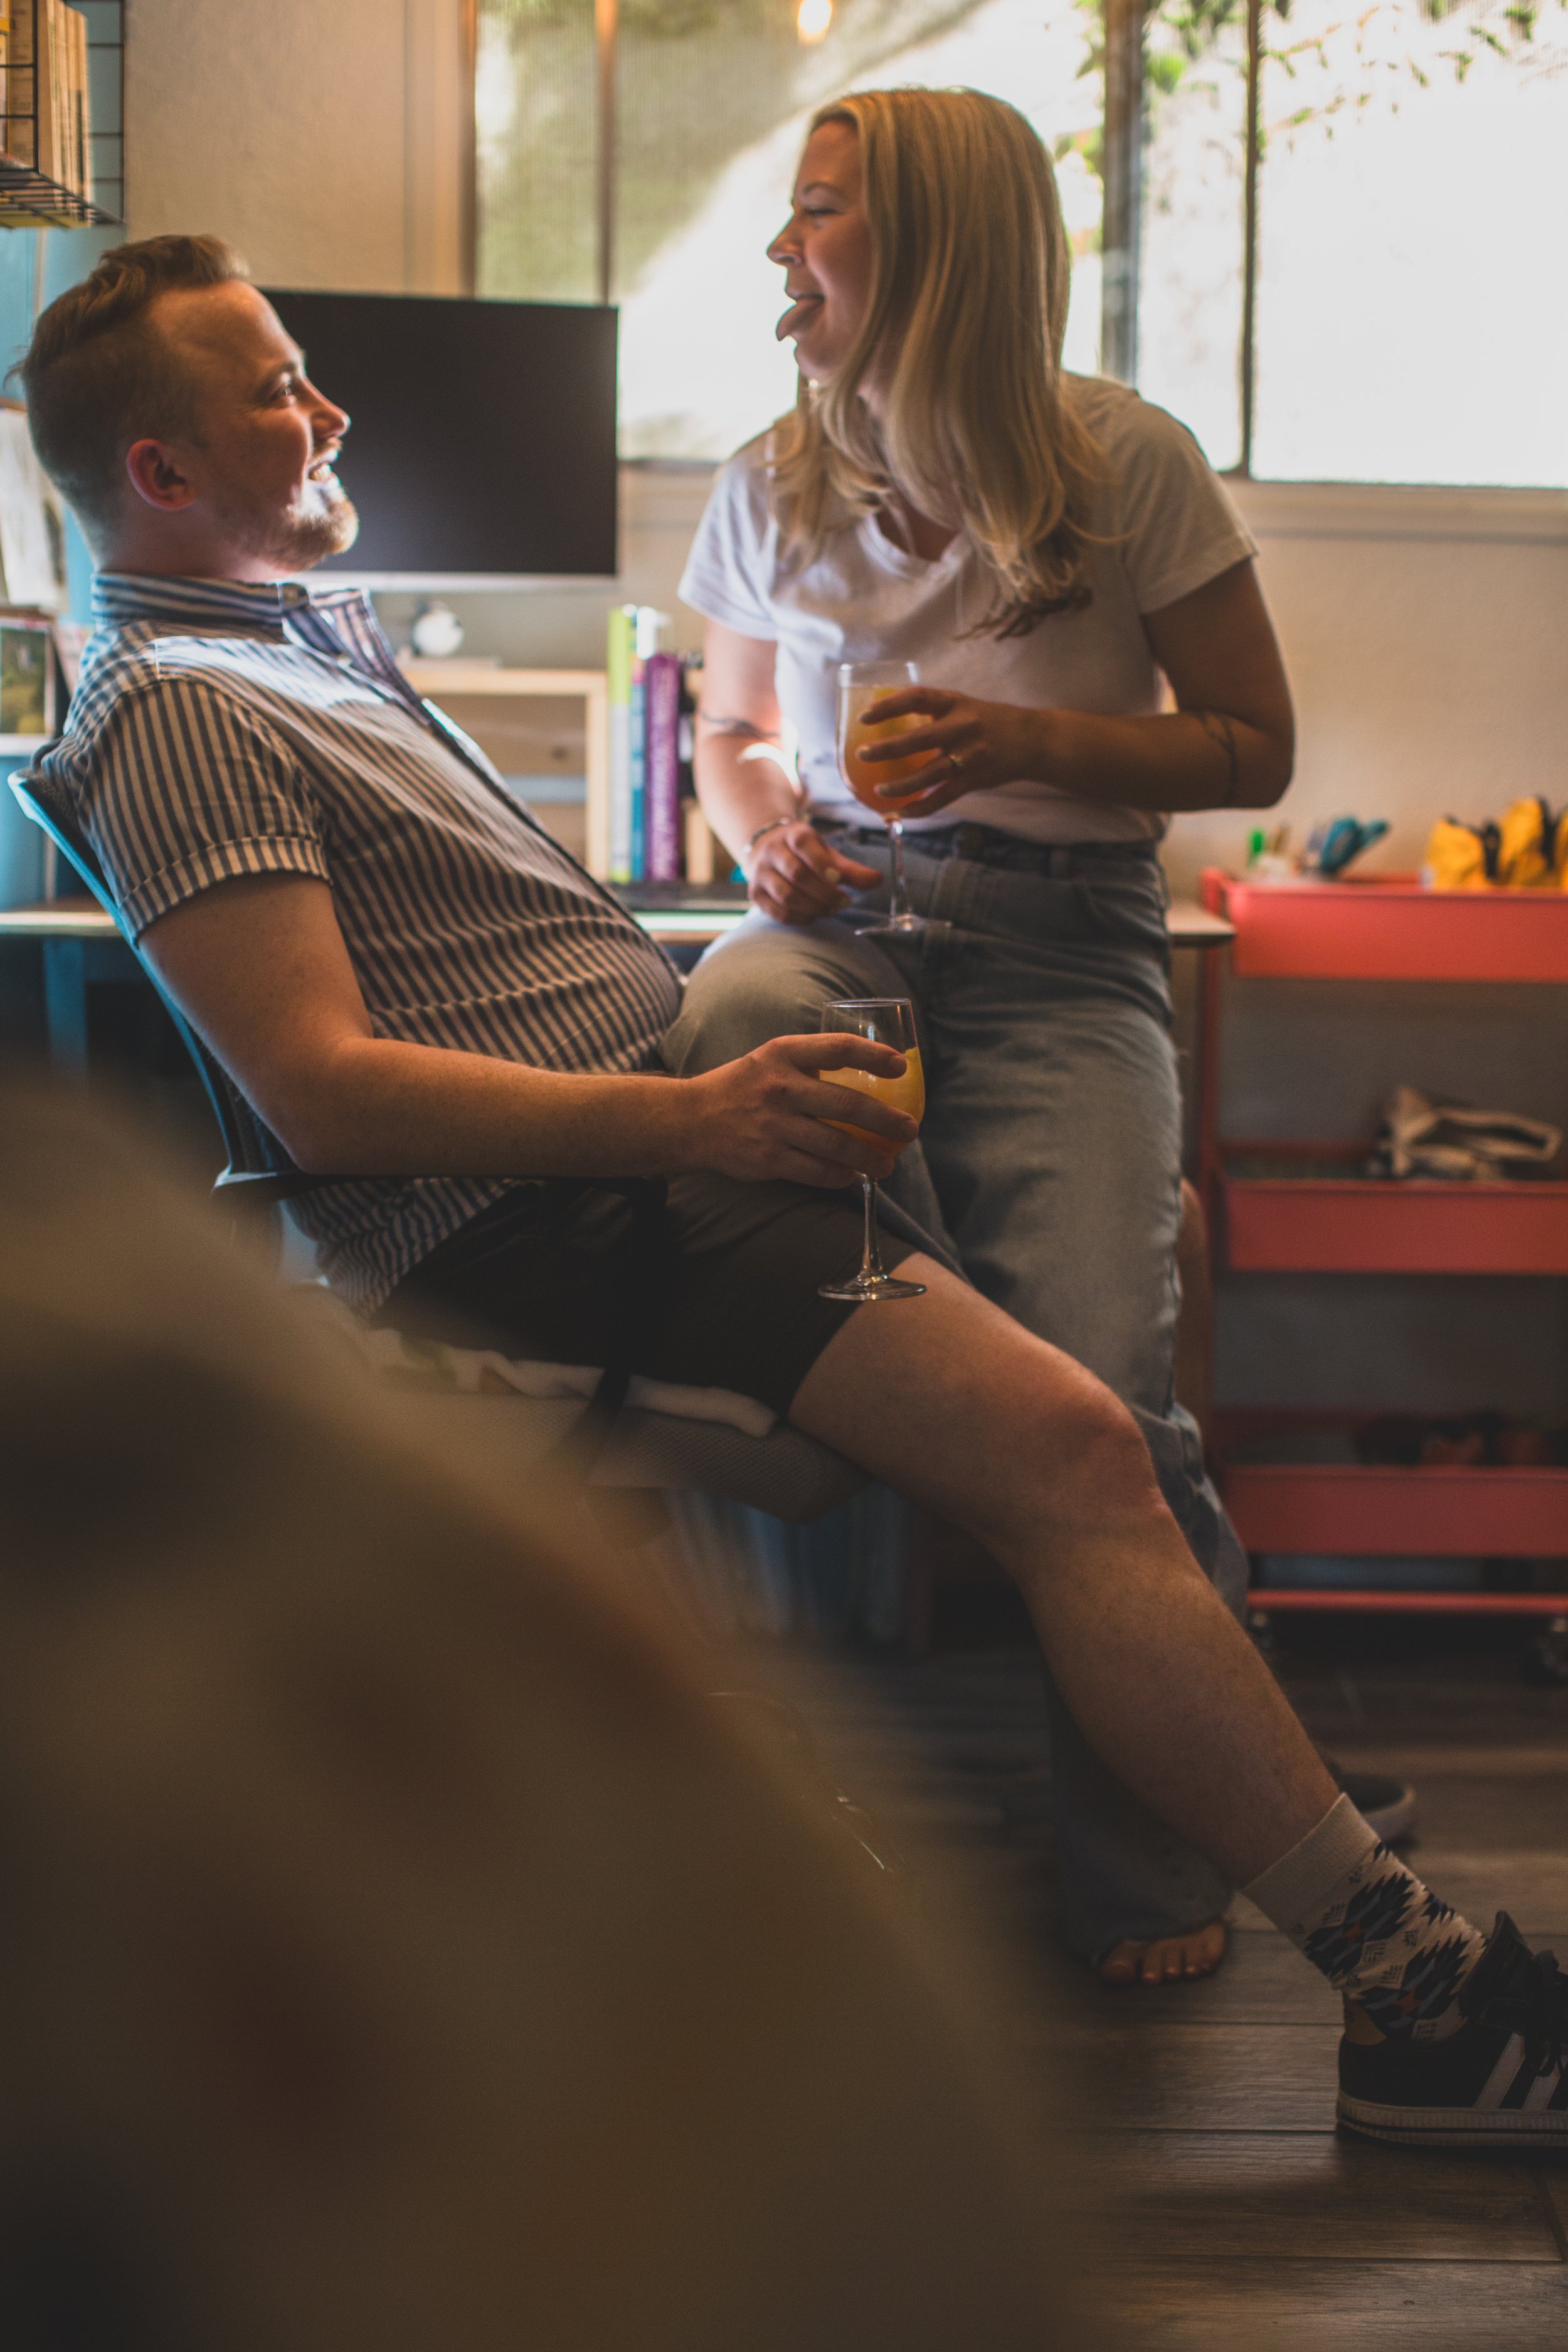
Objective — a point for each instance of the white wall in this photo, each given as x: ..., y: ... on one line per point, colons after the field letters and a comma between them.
x: 1424, y: 634
x: 325, y: 139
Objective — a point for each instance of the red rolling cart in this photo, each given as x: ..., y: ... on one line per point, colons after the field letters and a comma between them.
x: 1323, y: 1222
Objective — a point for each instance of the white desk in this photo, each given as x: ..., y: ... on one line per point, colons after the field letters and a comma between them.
x: 82, y: 945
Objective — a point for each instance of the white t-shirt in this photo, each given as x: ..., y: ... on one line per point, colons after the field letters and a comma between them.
x: 1170, y: 528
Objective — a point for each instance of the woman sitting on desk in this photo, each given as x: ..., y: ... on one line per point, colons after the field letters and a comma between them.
x: 1043, y: 546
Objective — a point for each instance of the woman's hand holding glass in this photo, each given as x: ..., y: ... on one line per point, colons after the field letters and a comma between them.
x: 969, y: 745
x: 794, y: 876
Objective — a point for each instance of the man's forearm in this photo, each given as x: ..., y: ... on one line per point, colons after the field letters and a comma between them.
x: 381, y: 1107
x: 260, y: 967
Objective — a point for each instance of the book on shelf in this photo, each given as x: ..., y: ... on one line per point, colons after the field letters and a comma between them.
x: 662, y: 685
x: 619, y: 694
x: 654, y: 827
x: 47, y: 99
x: 54, y: 93
x: 702, y: 847
x: 646, y: 624
x: 81, y: 106
x: 21, y: 80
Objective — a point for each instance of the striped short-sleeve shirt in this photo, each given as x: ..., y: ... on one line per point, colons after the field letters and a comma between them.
x: 221, y: 728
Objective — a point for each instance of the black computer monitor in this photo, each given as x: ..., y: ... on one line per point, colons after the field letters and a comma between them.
x: 483, y: 442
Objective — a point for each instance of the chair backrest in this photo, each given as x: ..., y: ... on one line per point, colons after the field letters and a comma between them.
x: 254, y: 1151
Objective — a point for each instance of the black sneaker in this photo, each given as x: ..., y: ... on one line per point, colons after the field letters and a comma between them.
x: 1502, y: 2076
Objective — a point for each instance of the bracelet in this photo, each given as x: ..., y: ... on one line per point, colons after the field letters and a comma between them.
x: 771, y: 825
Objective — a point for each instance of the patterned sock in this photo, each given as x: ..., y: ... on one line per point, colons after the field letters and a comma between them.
x: 1380, y: 1936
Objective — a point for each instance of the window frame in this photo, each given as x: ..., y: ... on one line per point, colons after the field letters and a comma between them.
x: 1125, y: 109
x: 1125, y: 116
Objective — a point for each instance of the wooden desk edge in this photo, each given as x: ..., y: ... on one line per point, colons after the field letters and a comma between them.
x: 1191, y: 926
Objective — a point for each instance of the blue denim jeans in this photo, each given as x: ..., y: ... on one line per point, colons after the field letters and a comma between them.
x: 1049, y: 1168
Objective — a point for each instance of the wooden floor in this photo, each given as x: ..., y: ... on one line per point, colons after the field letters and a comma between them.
x: 1206, y: 2112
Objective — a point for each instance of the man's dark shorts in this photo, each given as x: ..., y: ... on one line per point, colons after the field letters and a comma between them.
x: 726, y: 1299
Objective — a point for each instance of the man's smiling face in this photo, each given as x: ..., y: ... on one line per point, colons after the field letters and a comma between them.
x: 261, y: 458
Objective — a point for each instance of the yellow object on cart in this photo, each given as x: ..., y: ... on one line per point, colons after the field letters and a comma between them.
x: 1457, y: 857
x: 1525, y: 848
x: 1528, y: 851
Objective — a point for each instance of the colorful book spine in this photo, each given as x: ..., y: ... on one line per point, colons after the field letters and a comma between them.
x: 639, y: 768
x: 662, y: 678
x: 54, y: 85
x: 21, y: 85
x: 618, y: 692
x: 82, y: 105
x: 701, y: 856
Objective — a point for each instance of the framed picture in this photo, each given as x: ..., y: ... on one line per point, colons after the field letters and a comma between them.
x: 32, y: 521
x: 26, y: 678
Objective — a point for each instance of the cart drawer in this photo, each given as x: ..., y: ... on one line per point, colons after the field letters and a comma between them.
x: 1333, y: 1225
x: 1483, y: 1512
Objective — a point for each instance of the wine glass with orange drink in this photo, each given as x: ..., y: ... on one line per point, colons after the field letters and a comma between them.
x: 861, y: 686
x: 885, y: 1021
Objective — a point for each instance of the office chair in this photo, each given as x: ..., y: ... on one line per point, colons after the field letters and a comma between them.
x: 786, y: 1474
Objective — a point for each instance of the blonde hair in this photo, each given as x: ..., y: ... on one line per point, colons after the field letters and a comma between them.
x: 964, y: 325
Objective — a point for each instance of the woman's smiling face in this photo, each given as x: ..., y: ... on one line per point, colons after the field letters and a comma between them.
x: 824, y: 251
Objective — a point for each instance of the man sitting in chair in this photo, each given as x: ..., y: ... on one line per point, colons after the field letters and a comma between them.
x: 416, y: 988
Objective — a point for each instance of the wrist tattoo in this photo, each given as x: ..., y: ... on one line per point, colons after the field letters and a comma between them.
x: 1218, y: 727
x: 742, y: 728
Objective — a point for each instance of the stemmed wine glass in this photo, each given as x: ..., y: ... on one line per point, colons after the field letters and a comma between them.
x: 860, y: 686
x: 886, y: 1021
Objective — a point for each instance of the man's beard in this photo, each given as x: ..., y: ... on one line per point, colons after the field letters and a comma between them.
x: 325, y: 522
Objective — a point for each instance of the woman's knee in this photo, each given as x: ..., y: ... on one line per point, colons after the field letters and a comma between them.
x: 767, y: 980
x: 731, y: 1010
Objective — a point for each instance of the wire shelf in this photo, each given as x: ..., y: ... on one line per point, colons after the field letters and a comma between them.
x: 30, y: 198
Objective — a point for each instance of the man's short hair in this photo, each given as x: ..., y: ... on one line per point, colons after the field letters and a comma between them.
x: 98, y: 376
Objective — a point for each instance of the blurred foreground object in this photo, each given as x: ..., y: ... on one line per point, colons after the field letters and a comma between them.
x: 403, y: 1951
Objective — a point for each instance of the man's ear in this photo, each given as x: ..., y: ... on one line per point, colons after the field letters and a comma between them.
x: 155, y: 476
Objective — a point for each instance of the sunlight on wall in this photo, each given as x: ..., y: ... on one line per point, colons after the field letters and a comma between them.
x: 1411, y: 195
x: 1411, y: 321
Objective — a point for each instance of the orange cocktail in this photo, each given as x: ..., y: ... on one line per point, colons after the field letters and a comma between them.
x: 857, y: 726
x: 862, y: 688
x: 907, y: 1094
x: 882, y: 1021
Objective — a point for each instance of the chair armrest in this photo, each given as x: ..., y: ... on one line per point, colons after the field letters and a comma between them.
x: 266, y: 1188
